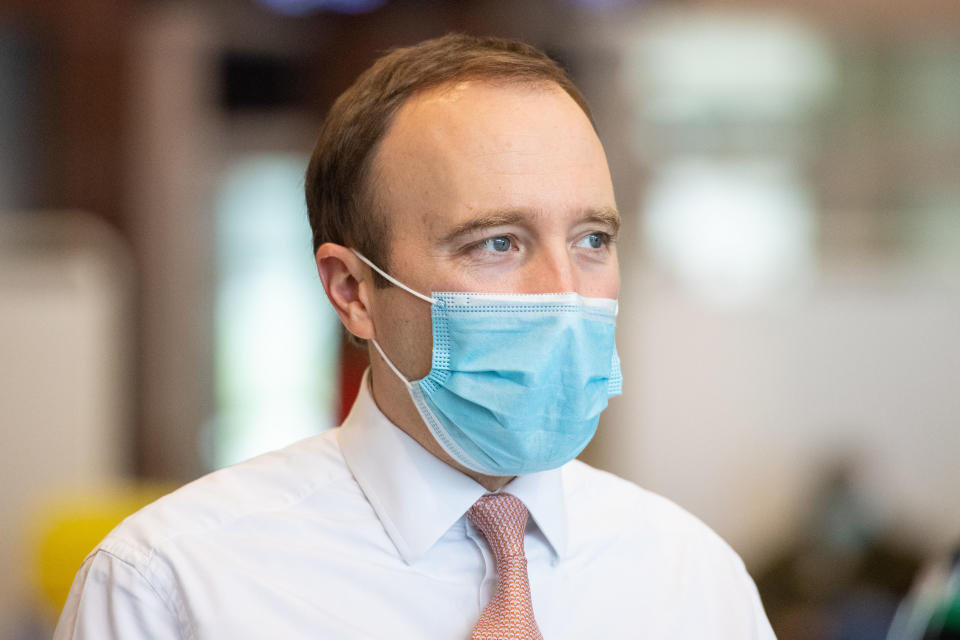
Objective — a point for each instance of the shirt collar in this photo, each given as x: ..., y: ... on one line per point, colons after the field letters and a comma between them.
x: 417, y: 497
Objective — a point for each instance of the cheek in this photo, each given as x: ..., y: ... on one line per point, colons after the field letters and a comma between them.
x: 405, y: 331
x: 419, y: 347
x: 613, y: 284
x: 608, y: 289
x: 600, y: 281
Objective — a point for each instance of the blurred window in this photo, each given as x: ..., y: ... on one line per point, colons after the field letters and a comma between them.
x: 730, y: 67
x: 772, y: 149
x: 729, y: 231
x: 277, y: 341
x: 726, y: 107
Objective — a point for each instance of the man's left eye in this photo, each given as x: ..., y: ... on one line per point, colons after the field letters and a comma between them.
x: 498, y: 244
x: 593, y: 241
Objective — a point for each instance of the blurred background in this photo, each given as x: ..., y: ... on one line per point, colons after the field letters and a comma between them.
x: 789, y: 179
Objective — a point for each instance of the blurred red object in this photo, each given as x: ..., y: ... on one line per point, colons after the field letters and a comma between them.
x: 353, y: 362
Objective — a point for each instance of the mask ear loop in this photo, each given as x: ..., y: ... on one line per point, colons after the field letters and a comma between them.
x: 393, y: 280
x: 403, y: 379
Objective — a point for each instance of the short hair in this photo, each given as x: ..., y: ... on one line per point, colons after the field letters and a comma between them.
x: 340, y: 203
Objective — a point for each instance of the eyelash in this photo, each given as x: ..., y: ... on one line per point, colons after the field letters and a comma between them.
x: 606, y: 240
x: 512, y: 239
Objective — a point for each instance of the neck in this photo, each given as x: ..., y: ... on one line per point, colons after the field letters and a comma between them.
x: 394, y: 401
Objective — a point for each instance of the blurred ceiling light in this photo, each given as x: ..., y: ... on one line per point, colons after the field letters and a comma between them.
x: 305, y: 7
x: 730, y: 232
x: 708, y: 66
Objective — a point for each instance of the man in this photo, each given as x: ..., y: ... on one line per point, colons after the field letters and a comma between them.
x: 464, y: 226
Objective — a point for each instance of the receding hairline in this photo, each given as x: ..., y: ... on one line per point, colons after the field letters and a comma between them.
x: 521, y: 80
x: 373, y: 168
x: 343, y: 189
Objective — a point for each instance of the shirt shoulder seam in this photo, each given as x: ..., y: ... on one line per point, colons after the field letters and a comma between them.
x: 118, y: 549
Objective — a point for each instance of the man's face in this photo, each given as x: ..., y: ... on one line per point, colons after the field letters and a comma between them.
x: 496, y: 188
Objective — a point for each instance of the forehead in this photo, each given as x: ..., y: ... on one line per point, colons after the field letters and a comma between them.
x: 480, y: 145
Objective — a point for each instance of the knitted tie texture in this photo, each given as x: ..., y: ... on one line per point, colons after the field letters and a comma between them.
x: 502, y: 519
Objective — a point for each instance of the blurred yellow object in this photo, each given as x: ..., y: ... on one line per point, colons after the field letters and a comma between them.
x: 68, y: 527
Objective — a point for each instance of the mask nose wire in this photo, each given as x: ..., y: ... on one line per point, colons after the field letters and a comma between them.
x: 393, y: 280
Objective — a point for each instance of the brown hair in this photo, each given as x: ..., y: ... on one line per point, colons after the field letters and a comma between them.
x: 340, y: 203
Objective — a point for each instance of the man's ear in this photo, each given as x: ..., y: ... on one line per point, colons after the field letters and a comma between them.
x: 347, y: 281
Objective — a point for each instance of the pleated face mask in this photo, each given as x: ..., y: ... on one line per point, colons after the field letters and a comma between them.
x: 517, y: 381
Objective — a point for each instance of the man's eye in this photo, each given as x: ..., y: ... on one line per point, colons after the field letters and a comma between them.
x: 498, y: 244
x: 593, y: 241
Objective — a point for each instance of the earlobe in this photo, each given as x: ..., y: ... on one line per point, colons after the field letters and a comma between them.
x: 345, y: 282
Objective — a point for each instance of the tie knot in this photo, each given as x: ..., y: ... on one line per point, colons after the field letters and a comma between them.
x: 502, y: 519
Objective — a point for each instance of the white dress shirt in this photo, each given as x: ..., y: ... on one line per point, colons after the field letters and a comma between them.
x: 360, y: 533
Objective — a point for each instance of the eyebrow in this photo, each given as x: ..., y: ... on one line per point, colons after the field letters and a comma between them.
x: 606, y: 216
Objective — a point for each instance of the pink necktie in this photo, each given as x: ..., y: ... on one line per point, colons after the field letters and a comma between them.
x: 502, y: 518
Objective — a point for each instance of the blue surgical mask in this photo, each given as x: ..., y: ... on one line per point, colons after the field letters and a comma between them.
x: 518, y: 381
